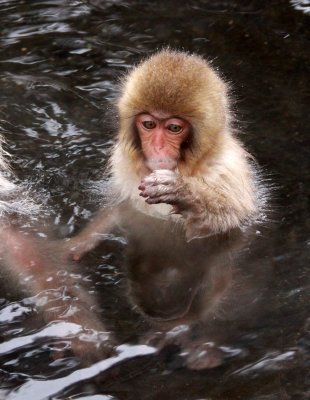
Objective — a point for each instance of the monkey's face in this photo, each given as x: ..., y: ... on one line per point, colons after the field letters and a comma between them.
x: 161, y: 138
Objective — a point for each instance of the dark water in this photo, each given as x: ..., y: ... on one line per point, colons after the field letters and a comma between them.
x: 59, y: 64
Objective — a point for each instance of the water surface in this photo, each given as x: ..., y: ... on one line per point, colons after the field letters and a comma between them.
x: 59, y: 65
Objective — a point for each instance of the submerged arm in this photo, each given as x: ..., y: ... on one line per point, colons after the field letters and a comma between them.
x: 93, y: 234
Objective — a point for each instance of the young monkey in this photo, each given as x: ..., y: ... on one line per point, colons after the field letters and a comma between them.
x: 175, y: 154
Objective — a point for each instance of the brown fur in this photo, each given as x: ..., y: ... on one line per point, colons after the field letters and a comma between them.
x: 181, y: 85
x: 216, y: 179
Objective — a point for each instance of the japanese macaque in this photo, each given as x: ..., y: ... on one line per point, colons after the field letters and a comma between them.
x: 176, y: 145
x: 177, y: 174
x: 176, y: 156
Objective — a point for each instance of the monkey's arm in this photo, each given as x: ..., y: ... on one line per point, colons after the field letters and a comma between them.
x: 56, y: 290
x: 208, y: 206
x: 93, y: 234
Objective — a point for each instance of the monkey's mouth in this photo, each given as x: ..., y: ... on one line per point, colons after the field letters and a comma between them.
x: 164, y: 163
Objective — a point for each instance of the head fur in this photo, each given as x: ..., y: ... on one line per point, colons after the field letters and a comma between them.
x: 181, y: 85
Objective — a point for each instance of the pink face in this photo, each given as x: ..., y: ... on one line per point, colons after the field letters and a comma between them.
x: 161, y: 139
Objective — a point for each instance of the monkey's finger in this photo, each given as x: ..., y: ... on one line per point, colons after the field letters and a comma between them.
x: 166, y: 198
x: 161, y: 175
x: 77, y: 257
x: 144, y: 186
x: 154, y: 191
x: 154, y: 180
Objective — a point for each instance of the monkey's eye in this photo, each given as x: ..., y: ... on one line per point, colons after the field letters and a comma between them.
x: 174, y: 128
x: 149, y: 124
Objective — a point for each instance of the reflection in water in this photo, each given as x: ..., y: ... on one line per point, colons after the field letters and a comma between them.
x: 58, y: 67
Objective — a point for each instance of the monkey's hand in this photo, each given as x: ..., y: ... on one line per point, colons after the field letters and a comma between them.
x: 166, y: 186
x: 96, y: 231
x: 208, y: 207
x: 75, y: 248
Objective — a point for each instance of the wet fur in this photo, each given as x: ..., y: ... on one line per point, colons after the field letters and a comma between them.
x: 217, y: 173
